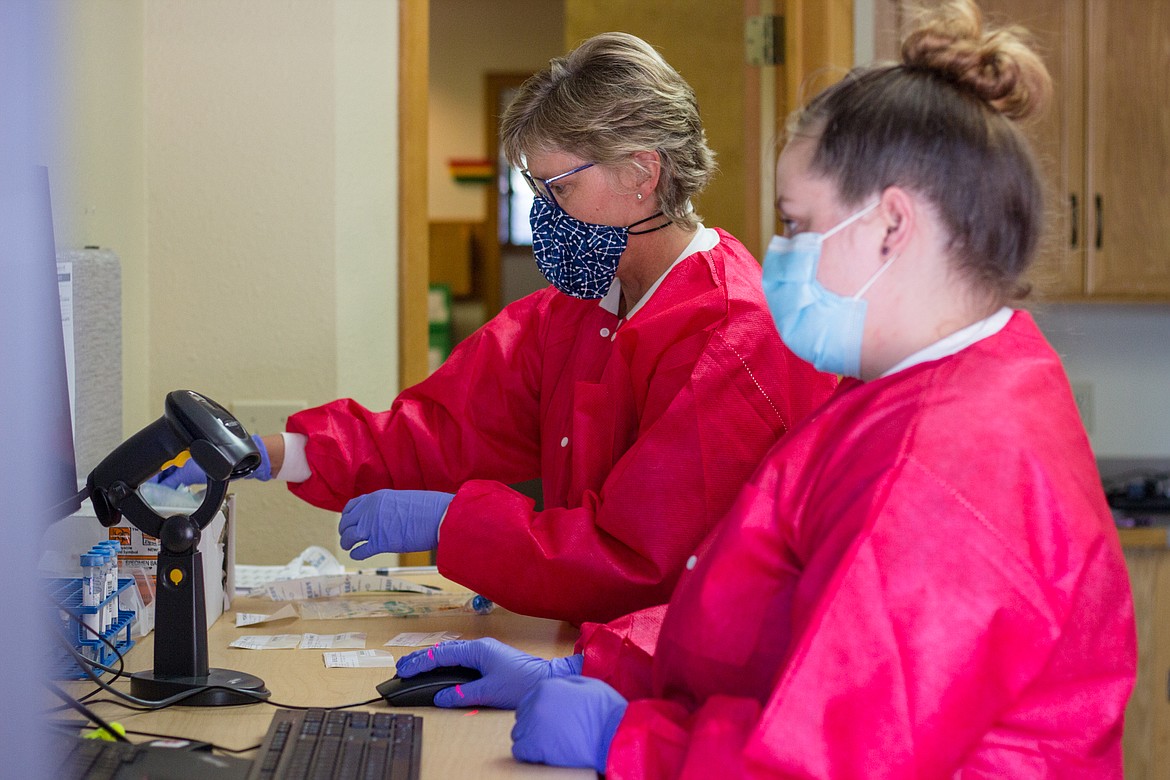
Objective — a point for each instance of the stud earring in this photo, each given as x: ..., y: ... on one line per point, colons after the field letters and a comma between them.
x: 639, y: 196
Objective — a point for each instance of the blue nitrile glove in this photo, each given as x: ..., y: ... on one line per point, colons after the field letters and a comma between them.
x: 567, y: 721
x: 392, y: 521
x: 190, y: 472
x: 508, y: 674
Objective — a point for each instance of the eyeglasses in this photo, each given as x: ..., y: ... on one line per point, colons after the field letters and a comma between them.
x: 541, y: 188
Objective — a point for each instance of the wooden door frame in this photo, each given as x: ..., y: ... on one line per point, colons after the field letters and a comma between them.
x: 413, y: 224
x: 489, y: 233
x: 816, y: 33
x: 413, y: 235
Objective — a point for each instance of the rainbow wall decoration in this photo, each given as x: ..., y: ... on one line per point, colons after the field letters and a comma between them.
x: 471, y: 171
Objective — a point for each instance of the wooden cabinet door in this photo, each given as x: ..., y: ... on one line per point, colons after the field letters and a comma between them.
x: 1128, y: 140
x: 1059, y: 268
x: 1147, y: 718
x: 1104, y: 146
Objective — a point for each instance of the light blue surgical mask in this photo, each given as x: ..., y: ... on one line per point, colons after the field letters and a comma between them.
x: 578, y: 258
x: 818, y: 325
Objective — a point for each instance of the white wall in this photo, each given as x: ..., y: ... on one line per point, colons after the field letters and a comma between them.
x: 241, y: 159
x: 1123, y: 354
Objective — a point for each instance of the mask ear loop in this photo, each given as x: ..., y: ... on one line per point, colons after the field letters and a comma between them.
x: 849, y: 220
x: 877, y: 275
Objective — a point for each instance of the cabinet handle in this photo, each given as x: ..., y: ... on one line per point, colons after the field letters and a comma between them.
x: 1100, y: 220
x: 1074, y: 219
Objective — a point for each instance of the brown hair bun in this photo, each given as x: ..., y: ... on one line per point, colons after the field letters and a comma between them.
x: 997, y: 65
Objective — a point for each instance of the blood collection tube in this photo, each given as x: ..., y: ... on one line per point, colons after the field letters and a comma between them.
x: 115, y: 548
x: 91, y: 586
x: 103, y: 585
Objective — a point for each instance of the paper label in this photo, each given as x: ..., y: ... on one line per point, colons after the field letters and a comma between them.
x: 363, y: 659
x: 329, y: 641
x: 261, y: 642
x: 253, y: 618
x: 419, y: 639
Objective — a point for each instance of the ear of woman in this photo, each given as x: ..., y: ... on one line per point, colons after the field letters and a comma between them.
x: 641, y: 177
x: 898, y: 211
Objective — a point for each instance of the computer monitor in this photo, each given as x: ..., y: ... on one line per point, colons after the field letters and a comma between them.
x: 38, y: 431
x: 38, y: 483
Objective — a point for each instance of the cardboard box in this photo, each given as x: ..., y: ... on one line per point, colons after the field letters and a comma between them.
x: 65, y: 540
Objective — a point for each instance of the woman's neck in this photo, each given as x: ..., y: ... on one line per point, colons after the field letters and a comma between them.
x: 646, y: 259
x: 918, y: 310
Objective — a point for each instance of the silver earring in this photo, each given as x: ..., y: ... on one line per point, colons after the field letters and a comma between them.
x: 639, y: 196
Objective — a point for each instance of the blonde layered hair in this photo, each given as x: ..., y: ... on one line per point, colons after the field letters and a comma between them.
x: 609, y: 98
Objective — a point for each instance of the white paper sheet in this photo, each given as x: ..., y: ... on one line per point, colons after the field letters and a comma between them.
x: 312, y: 562
x: 405, y: 605
x: 336, y: 585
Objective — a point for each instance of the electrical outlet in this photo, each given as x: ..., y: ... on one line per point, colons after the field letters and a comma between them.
x: 1083, y: 395
x: 265, y: 417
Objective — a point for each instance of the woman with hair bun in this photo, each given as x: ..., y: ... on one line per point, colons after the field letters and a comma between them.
x: 923, y: 579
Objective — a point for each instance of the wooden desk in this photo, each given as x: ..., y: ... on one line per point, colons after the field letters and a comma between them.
x: 456, y: 743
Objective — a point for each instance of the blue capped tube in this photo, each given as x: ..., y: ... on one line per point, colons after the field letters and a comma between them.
x: 92, y: 583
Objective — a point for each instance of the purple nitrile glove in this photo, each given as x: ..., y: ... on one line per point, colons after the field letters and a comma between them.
x: 392, y: 521
x: 190, y: 473
x: 567, y: 721
x: 508, y: 674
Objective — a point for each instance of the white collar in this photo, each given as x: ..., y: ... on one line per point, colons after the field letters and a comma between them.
x: 704, y: 240
x: 957, y: 341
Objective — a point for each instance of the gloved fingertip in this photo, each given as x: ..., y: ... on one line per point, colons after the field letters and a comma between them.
x: 521, y: 751
x: 446, y: 698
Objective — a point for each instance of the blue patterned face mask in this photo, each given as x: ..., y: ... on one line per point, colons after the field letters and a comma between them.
x: 578, y: 258
x: 817, y: 324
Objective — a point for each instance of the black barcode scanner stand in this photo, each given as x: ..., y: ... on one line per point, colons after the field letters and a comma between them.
x: 223, y: 449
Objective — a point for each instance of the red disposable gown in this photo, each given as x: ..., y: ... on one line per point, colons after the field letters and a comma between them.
x: 922, y: 580
x: 642, y: 433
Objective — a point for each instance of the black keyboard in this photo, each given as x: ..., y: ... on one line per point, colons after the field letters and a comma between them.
x: 335, y: 745
x: 95, y: 759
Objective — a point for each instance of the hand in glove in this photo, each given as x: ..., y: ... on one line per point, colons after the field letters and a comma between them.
x: 569, y: 721
x: 392, y: 521
x: 190, y: 473
x: 508, y: 674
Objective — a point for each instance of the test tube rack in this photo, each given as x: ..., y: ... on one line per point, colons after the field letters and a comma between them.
x: 66, y: 593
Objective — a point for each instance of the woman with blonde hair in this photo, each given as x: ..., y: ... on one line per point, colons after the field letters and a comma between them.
x: 642, y: 387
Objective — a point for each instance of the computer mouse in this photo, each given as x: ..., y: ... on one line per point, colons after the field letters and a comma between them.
x: 420, y: 690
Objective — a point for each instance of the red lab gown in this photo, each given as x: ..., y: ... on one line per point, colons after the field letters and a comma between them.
x: 641, y: 439
x: 922, y: 580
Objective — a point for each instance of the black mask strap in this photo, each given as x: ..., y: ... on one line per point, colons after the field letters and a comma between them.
x: 648, y: 230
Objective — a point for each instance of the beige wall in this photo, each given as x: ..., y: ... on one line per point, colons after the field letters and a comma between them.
x: 703, y: 40
x: 99, y: 184
x: 468, y: 40
x: 240, y: 158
